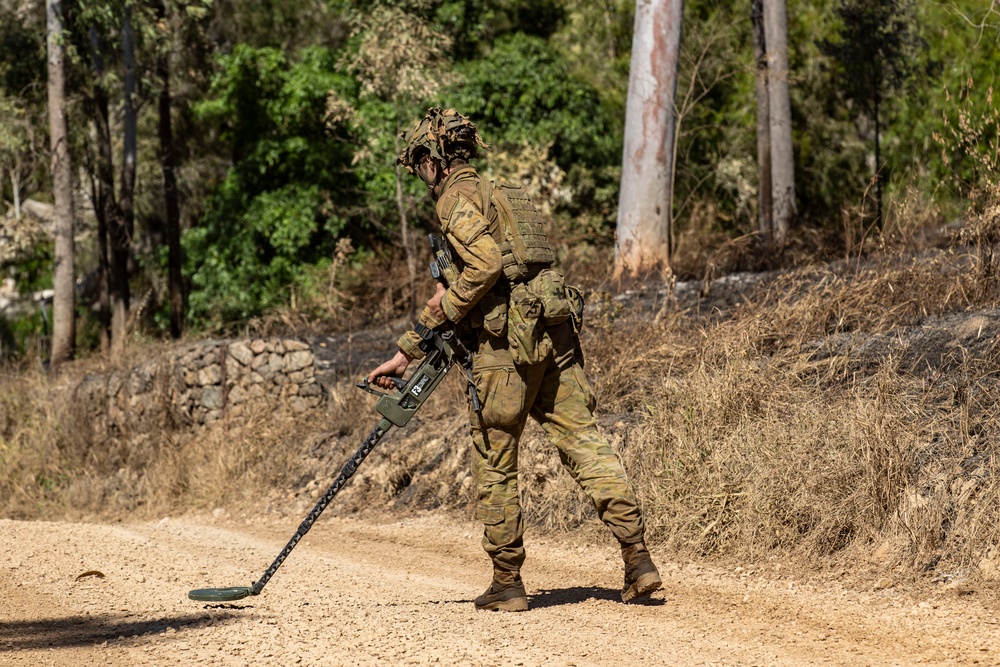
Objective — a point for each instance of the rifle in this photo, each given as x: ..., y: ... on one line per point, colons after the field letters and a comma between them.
x: 443, y: 270
x: 443, y: 349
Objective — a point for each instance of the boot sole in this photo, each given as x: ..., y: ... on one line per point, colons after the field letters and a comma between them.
x: 643, y: 586
x: 516, y: 604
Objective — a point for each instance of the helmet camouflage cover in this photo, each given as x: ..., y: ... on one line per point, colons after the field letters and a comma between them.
x: 442, y: 135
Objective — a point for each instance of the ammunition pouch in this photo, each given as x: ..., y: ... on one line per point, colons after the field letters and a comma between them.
x: 493, y: 309
x: 549, y: 285
x: 576, y: 303
x: 525, y: 329
x: 543, y: 301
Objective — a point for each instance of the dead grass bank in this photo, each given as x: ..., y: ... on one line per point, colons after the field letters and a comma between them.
x: 843, y: 414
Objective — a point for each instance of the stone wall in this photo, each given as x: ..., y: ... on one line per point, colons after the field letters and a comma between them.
x: 218, y: 378
x: 200, y: 383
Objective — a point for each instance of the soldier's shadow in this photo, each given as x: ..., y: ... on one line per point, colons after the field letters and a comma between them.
x: 562, y: 596
x: 74, y: 631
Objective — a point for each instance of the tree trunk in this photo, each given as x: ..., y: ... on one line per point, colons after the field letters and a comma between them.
x: 105, y: 209
x: 780, y: 116
x: 103, y: 272
x: 411, y: 262
x: 15, y: 187
x: 877, y: 99
x: 64, y: 283
x: 645, y: 207
x: 122, y: 236
x: 764, y: 206
x: 168, y: 163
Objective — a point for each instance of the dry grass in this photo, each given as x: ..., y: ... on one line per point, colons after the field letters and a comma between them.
x: 60, y: 455
x: 840, y: 414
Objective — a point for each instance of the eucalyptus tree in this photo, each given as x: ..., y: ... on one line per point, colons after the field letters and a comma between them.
x: 122, y: 238
x: 643, y: 241
x: 171, y: 18
x: 129, y: 46
x: 765, y: 213
x: 779, y: 118
x: 875, y: 46
x: 102, y: 181
x: 64, y: 282
x: 18, y: 147
x: 111, y: 45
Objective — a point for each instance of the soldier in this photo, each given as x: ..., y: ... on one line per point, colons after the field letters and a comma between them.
x: 513, y: 310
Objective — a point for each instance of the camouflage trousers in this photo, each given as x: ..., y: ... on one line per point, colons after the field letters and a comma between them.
x: 556, y: 394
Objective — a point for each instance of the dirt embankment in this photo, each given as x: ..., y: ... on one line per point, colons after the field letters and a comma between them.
x: 358, y: 593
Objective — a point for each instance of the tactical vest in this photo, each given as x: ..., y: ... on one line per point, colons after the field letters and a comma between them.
x: 518, y: 230
x: 535, y: 295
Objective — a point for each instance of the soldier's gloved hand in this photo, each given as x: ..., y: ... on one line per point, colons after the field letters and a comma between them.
x: 395, y: 367
x: 434, y: 304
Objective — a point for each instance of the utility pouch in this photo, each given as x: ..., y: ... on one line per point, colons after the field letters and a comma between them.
x: 493, y: 308
x: 525, y: 329
x: 549, y: 286
x: 576, y: 303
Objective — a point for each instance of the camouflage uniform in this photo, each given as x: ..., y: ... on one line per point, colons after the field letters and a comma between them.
x: 554, y: 391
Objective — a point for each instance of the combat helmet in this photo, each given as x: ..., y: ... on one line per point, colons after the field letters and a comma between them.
x: 441, y: 134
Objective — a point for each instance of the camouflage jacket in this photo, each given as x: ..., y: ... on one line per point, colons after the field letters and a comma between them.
x: 460, y: 213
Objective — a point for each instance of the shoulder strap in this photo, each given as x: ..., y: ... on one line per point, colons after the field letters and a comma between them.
x: 489, y: 212
x: 486, y: 194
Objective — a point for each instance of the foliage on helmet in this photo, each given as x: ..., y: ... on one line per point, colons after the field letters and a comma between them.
x: 441, y: 134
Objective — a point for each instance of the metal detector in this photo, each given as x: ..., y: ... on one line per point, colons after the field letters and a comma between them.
x: 443, y: 348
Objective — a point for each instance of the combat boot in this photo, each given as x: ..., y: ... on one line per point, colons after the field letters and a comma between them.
x: 641, y: 576
x: 506, y: 592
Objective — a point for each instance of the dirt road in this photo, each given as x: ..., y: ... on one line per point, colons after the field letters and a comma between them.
x: 401, y: 593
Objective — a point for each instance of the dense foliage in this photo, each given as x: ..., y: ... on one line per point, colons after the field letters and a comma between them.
x: 271, y: 213
x: 287, y: 116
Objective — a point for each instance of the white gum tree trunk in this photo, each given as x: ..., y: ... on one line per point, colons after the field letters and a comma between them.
x: 645, y: 205
x: 780, y: 116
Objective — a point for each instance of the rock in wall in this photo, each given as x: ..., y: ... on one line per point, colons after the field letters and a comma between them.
x: 203, y: 382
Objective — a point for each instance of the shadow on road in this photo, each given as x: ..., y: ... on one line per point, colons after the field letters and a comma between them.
x: 72, y: 631
x: 578, y: 594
